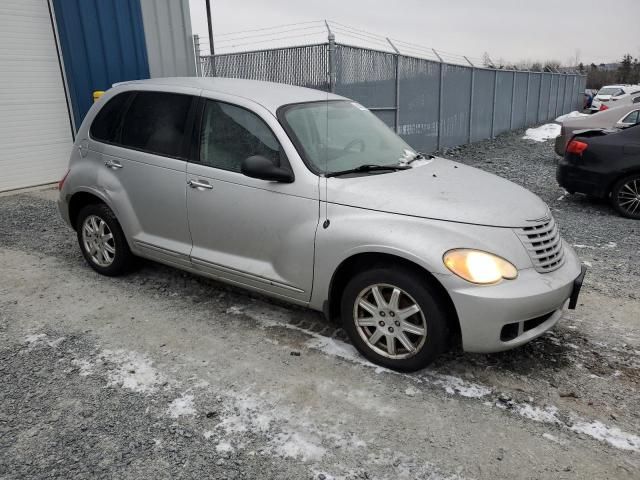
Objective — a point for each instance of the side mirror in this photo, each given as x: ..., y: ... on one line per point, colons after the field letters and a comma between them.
x: 260, y: 167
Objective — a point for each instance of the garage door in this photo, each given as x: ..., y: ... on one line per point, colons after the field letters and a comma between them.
x: 35, y: 133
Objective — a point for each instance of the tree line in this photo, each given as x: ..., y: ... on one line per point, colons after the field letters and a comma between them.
x: 628, y: 71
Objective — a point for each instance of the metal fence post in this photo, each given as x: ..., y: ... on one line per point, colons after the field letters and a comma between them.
x: 196, y: 54
x: 493, y: 109
x: 332, y: 58
x: 473, y: 85
x: 513, y: 99
x: 539, y: 97
x: 440, y: 92
x: 526, y: 101
x: 549, y: 102
x: 397, y: 56
x: 564, y: 92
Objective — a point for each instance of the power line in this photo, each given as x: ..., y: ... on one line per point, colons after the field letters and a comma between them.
x: 266, y: 28
x: 266, y: 34
x: 275, y: 39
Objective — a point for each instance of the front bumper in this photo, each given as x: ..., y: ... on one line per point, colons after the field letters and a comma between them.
x: 503, y: 316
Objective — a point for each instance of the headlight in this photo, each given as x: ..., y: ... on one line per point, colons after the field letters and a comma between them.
x: 479, y: 267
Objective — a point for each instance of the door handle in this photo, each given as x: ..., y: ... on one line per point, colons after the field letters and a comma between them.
x: 112, y: 164
x: 200, y: 184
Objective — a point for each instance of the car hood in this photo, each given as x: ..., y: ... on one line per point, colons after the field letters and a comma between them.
x: 443, y: 190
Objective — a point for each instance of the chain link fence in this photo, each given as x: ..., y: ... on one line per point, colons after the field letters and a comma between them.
x: 432, y: 105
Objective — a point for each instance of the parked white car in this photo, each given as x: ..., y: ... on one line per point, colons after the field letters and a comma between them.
x: 615, y: 95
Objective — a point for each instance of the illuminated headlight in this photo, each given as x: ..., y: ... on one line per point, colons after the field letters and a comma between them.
x: 476, y: 266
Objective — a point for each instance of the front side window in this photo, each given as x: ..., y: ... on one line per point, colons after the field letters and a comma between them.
x: 105, y: 126
x: 156, y: 122
x: 232, y: 134
x: 341, y: 135
x: 632, y: 118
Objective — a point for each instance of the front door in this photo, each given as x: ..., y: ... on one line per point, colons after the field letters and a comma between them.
x: 251, y: 232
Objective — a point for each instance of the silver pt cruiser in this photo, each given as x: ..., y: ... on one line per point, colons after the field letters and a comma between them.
x: 310, y: 198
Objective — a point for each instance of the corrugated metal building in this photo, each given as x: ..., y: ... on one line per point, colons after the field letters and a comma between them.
x: 55, y: 53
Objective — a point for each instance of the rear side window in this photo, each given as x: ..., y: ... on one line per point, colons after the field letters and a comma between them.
x: 156, y: 123
x: 231, y: 134
x: 632, y: 118
x: 105, y: 126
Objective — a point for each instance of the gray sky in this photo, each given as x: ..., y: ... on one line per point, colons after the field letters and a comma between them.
x: 513, y: 30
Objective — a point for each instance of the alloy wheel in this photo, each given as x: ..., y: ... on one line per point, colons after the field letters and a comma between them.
x: 98, y: 241
x: 390, y: 321
x: 629, y: 196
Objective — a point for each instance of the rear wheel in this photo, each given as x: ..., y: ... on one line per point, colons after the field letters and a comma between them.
x: 102, y: 241
x: 394, y: 318
x: 625, y: 196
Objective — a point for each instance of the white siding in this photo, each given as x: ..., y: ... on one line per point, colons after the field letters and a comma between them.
x: 35, y: 133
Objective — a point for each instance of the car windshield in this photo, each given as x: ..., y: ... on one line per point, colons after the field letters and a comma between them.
x: 340, y: 135
x: 609, y: 91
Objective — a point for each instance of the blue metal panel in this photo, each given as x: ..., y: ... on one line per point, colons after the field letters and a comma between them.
x: 102, y: 43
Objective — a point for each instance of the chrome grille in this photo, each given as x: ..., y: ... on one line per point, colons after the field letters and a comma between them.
x: 544, y: 245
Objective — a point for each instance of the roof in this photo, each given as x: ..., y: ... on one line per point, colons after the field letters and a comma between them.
x: 268, y: 94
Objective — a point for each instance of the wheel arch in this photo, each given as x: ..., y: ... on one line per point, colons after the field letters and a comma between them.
x: 78, y: 201
x: 366, y: 260
x: 625, y: 173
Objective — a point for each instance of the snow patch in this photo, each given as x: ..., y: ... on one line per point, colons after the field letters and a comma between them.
x: 182, y: 406
x: 224, y: 447
x: 294, y: 445
x: 574, y: 114
x: 34, y: 338
x: 537, y: 414
x: 235, y: 310
x: 85, y: 366
x: 455, y: 385
x: 543, y: 133
x: 133, y: 371
x: 411, y: 391
x: 611, y: 435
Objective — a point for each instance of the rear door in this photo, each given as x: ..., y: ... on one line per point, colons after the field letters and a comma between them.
x: 247, y: 231
x: 144, y: 173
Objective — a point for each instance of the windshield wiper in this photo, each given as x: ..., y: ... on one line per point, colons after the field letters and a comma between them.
x: 418, y: 156
x: 367, y: 168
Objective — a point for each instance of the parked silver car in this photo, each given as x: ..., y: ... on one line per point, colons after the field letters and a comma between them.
x: 308, y: 197
x: 618, y: 117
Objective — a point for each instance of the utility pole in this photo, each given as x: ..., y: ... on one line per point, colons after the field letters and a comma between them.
x: 211, y: 48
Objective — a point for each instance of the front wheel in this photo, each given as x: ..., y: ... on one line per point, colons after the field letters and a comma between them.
x: 394, y: 318
x: 625, y: 196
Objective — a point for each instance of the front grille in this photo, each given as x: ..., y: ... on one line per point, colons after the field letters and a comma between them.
x: 544, y: 245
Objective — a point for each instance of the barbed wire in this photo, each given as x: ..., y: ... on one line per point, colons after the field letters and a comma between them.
x: 229, y: 41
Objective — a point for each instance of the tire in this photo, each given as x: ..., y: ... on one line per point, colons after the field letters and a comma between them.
x: 107, y: 254
x: 625, y: 196
x: 386, y: 323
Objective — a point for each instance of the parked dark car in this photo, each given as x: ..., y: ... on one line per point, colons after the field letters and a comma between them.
x: 605, y: 165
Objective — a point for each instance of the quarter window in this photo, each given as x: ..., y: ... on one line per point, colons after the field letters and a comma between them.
x: 105, y: 126
x: 231, y: 134
x: 156, y: 122
x: 632, y: 118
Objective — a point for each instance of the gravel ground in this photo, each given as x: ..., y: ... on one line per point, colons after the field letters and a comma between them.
x: 161, y: 374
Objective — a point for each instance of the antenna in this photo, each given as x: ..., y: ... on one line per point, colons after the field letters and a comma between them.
x: 332, y: 85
